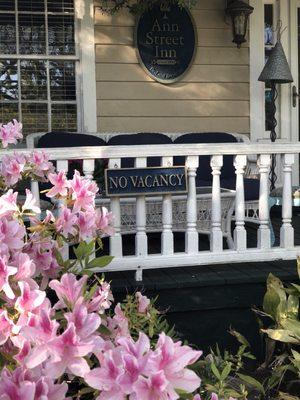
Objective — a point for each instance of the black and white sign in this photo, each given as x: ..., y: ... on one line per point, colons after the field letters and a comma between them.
x: 166, y: 41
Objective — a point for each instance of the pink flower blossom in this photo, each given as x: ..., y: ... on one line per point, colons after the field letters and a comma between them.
x: 29, y: 299
x: 101, y: 299
x: 11, y: 168
x: 6, y: 326
x: 156, y: 387
x: 8, y: 203
x: 66, y: 222
x: 60, y: 184
x: 144, y: 303
x: 11, y: 235
x: 86, y: 225
x: 68, y: 354
x: 40, y: 164
x: 104, y: 220
x: 5, y: 272
x: 85, y: 324
x: 25, y: 267
x: 82, y: 193
x: 10, y: 133
x: 197, y: 397
x: 69, y: 290
x: 30, y: 203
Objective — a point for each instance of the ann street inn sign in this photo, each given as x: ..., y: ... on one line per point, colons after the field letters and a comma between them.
x: 166, y: 41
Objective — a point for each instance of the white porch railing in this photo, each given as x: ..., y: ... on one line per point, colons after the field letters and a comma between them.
x: 168, y: 257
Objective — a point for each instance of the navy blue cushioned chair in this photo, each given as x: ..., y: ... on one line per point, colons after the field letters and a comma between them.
x: 66, y: 139
x: 228, y: 178
x: 140, y: 139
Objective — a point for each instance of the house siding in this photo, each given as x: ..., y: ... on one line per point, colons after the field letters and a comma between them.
x: 212, y: 96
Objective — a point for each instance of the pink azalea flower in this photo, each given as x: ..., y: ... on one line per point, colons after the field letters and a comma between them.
x: 30, y: 203
x: 172, y: 358
x: 6, y: 326
x: 197, y: 397
x: 16, y: 385
x: 82, y: 193
x: 85, y: 324
x: 29, y: 299
x: 69, y: 290
x: 10, y: 133
x: 40, y: 164
x: 68, y: 352
x: 46, y: 389
x: 144, y: 303
x: 11, y: 235
x: 118, y: 324
x: 156, y: 387
x: 11, y: 168
x: 105, y: 377
x: 66, y: 222
x: 5, y: 272
x: 25, y: 266
x: 104, y: 220
x: 60, y: 184
x: 8, y: 203
x: 86, y: 225
x: 101, y: 299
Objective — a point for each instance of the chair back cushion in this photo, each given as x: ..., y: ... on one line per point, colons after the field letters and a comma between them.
x: 140, y: 139
x: 203, y: 171
x: 65, y: 139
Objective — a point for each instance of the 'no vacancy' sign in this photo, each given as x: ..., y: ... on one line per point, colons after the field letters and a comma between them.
x: 135, y: 181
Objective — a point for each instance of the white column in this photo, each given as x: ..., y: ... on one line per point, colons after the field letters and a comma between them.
x: 286, y: 230
x: 35, y: 190
x: 216, y: 236
x: 141, y: 242
x: 191, y: 235
x: 88, y: 168
x: 167, y: 242
x: 115, y: 241
x: 240, y: 234
x: 264, y: 238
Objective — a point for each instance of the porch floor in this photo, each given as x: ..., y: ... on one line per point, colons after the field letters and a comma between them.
x: 207, y: 300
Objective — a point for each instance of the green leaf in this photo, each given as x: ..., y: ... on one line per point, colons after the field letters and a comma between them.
x: 215, y: 371
x: 298, y: 267
x: 293, y: 326
x: 296, y: 355
x: 100, y: 262
x: 240, y: 338
x: 252, y: 382
x: 226, y: 371
x: 281, y: 335
x: 84, y: 249
x: 293, y: 306
x: 271, y: 302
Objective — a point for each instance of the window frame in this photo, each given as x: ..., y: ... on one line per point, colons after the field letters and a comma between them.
x: 81, y: 24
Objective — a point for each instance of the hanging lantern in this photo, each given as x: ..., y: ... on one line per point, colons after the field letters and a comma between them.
x: 239, y: 13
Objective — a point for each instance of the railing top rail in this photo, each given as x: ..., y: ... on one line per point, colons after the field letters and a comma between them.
x: 169, y: 150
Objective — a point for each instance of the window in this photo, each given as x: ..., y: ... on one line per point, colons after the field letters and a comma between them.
x: 38, y: 64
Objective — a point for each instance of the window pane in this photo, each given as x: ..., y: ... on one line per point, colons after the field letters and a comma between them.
x: 64, y: 117
x: 31, y: 5
x: 60, y: 5
x: 62, y: 80
x: 7, y: 5
x: 7, y: 34
x: 32, y: 34
x: 61, y: 34
x: 34, y: 118
x: 33, y: 80
x: 8, y: 111
x: 8, y: 80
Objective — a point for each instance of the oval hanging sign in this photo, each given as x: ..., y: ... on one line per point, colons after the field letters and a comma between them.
x: 166, y: 41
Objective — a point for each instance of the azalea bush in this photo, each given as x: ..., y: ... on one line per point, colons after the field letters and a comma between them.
x: 61, y: 337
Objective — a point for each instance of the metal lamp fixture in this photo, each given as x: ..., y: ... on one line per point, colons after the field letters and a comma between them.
x: 239, y: 13
x: 276, y: 71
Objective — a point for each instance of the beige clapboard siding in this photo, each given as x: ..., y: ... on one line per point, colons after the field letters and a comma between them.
x: 168, y: 108
x: 212, y: 96
x: 123, y: 35
x: 197, y: 73
x: 177, y: 91
x: 204, y: 55
x: 173, y: 124
x: 202, y: 19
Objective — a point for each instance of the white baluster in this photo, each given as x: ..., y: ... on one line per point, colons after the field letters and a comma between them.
x: 35, y: 190
x: 286, y: 230
x: 264, y: 237
x: 191, y: 235
x: 62, y: 165
x: 88, y: 168
x: 216, y: 236
x: 240, y: 234
x: 141, y: 242
x: 167, y: 242
x: 115, y: 241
